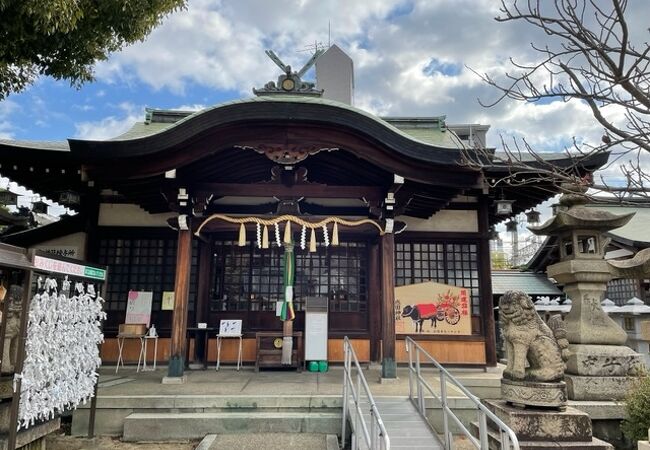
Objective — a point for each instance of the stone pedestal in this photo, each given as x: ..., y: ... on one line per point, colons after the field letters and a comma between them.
x: 544, y: 429
x: 601, y: 372
x: 534, y: 393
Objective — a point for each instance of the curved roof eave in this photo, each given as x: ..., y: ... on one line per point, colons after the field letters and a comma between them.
x: 289, y: 110
x: 559, y: 160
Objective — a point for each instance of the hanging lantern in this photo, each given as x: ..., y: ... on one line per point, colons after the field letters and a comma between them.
x: 69, y: 198
x: 40, y: 207
x: 8, y: 198
x: 532, y: 216
x: 511, y: 226
x: 504, y: 207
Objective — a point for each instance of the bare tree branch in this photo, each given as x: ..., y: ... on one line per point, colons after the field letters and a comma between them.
x: 588, y: 54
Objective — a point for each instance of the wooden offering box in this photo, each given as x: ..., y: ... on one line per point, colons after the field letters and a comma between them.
x: 269, y: 356
x: 132, y: 329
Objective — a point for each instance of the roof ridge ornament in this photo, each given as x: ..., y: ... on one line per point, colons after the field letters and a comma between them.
x: 290, y: 83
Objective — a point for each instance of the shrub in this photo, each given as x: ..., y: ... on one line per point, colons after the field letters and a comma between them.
x: 637, y: 406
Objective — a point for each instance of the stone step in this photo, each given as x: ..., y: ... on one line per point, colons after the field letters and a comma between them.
x: 183, y: 426
x: 215, y: 401
x: 495, y: 442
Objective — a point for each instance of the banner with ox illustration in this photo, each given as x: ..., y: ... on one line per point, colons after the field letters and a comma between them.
x: 432, y: 308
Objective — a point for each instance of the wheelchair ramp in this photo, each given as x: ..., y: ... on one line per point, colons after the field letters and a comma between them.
x: 404, y: 425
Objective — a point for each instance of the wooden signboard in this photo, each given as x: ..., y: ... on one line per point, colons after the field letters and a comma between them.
x: 432, y: 308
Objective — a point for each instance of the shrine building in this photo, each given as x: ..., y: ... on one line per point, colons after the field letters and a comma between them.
x: 199, y: 204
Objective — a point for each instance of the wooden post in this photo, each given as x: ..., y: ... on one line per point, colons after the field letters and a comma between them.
x: 203, y: 294
x: 388, y: 364
x: 485, y: 273
x: 20, y: 357
x: 374, y: 301
x: 181, y: 295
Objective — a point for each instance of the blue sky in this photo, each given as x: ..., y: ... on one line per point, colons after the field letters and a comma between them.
x: 411, y: 59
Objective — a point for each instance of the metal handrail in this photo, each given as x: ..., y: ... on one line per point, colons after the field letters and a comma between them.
x: 376, y: 437
x: 508, y: 437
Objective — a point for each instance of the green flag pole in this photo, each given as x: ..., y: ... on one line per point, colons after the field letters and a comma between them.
x: 288, y: 313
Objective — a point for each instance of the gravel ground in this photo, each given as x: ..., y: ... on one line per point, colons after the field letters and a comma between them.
x: 270, y: 441
x: 62, y: 442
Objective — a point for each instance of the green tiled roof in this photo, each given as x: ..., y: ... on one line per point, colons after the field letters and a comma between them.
x: 529, y: 282
x: 142, y: 129
x: 61, y: 146
x: 426, y: 130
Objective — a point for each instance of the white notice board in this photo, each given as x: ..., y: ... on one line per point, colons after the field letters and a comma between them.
x: 138, y: 307
x: 315, y: 336
x: 230, y: 328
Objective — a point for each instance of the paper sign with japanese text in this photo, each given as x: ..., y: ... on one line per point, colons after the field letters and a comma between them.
x: 167, y: 301
x: 138, y: 307
x: 230, y: 327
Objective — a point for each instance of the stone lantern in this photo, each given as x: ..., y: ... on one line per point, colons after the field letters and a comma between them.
x: 600, y: 366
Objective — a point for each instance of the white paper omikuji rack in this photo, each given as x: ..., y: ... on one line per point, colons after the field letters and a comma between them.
x: 59, y: 297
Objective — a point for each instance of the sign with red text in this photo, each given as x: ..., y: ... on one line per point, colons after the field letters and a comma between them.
x: 68, y: 268
x: 432, y: 308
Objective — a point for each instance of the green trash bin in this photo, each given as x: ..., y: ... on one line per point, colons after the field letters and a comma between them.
x: 312, y: 366
x: 322, y: 366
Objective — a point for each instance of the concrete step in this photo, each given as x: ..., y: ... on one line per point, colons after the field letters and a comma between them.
x: 183, y: 426
x: 112, y: 410
x: 214, y: 402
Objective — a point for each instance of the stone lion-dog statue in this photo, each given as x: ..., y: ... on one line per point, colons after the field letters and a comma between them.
x: 529, y: 340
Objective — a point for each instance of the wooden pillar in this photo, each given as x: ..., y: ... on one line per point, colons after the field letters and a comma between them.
x: 374, y: 301
x: 181, y: 296
x: 485, y: 262
x: 203, y: 294
x: 91, y: 227
x: 388, y: 365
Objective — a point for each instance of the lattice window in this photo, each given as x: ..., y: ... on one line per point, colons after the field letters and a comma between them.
x: 250, y: 279
x: 455, y: 264
x: 142, y: 265
x: 621, y: 290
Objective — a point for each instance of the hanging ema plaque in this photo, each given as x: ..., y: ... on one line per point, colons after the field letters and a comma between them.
x: 432, y: 308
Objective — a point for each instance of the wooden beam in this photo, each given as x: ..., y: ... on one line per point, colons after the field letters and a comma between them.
x: 181, y: 296
x: 370, y: 193
x: 388, y: 364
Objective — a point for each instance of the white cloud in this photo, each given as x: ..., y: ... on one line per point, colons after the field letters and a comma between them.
x: 111, y: 126
x: 220, y: 45
x: 7, y: 108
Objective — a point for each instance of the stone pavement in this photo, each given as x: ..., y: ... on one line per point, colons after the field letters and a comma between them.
x: 229, y: 381
x: 270, y: 441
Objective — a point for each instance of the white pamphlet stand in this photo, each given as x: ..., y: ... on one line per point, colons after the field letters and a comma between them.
x: 229, y: 329
x: 155, y: 353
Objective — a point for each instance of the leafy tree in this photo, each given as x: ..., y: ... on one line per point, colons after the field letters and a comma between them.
x: 589, y: 52
x: 64, y: 38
